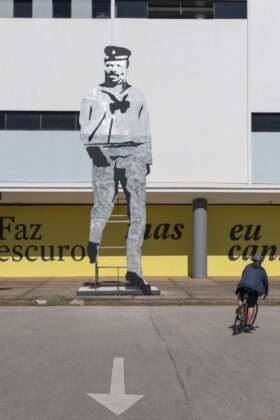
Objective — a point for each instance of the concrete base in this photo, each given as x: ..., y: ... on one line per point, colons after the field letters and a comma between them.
x: 113, y: 290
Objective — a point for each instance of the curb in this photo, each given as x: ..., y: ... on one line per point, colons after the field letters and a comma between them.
x: 125, y: 302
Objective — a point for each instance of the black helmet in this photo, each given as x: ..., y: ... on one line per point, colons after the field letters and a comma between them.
x: 257, y: 258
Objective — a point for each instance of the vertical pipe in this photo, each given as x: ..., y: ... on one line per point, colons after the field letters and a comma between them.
x: 199, y: 238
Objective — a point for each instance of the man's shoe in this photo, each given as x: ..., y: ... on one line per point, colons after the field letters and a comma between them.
x: 139, y: 282
x: 92, y: 251
x: 247, y: 328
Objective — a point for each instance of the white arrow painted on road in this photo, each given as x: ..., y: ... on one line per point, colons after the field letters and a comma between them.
x: 117, y: 401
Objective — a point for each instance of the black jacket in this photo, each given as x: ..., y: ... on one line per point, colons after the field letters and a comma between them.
x: 255, y: 277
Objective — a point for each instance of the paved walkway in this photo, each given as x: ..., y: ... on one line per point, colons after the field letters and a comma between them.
x: 174, y: 291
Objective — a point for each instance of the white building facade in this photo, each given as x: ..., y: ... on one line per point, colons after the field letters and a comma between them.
x: 210, y: 74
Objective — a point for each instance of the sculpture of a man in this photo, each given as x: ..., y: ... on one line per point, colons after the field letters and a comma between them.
x: 116, y: 133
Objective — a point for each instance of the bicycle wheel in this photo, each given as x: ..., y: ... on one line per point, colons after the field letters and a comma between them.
x: 237, y: 326
x: 244, y: 313
x: 255, y: 314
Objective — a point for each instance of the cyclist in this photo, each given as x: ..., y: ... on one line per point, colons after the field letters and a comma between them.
x: 254, y: 282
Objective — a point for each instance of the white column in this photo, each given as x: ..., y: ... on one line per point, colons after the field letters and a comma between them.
x: 112, y: 22
x: 81, y: 9
x: 42, y: 9
x: 113, y: 9
x: 6, y: 8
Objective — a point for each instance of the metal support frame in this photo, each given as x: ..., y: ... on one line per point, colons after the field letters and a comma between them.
x: 115, y: 218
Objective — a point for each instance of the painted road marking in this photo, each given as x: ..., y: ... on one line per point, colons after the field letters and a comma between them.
x: 117, y: 401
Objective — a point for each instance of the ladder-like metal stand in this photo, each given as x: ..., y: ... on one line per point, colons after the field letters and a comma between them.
x: 115, y: 218
x: 111, y: 287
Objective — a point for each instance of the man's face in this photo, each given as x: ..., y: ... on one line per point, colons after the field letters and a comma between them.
x: 116, y: 71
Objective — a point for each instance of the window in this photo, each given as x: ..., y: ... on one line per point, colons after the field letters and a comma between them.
x: 22, y: 8
x: 152, y: 9
x: 265, y: 148
x: 131, y: 8
x: 197, y: 9
x: 180, y: 9
x: 22, y: 120
x: 266, y: 122
x: 36, y: 120
x: 58, y: 121
x: 230, y: 9
x: 2, y: 120
x: 101, y: 9
x: 61, y: 8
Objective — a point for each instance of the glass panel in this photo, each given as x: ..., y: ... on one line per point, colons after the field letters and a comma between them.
x: 101, y: 9
x: 180, y: 9
x: 23, y: 120
x: 197, y: 9
x: 77, y: 122
x: 131, y: 8
x: 230, y: 10
x: 23, y: 8
x: 266, y: 122
x: 59, y: 121
x: 2, y: 120
x: 61, y: 8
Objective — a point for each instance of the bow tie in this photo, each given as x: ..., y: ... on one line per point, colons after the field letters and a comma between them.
x: 122, y: 105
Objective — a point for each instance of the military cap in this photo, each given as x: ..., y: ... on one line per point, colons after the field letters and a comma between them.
x: 116, y: 53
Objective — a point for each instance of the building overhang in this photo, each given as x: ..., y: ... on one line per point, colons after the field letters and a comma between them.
x: 156, y: 194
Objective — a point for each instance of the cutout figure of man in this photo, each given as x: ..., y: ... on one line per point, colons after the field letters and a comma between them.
x: 116, y: 133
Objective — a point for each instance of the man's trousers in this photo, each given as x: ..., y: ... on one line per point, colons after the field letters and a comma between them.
x: 132, y: 176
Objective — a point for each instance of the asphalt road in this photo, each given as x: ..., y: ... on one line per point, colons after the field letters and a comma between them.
x: 184, y: 360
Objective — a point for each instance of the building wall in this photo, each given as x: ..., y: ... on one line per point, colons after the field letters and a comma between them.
x: 264, y: 87
x: 193, y: 74
x: 264, y: 58
x: 202, y: 79
x: 51, y: 240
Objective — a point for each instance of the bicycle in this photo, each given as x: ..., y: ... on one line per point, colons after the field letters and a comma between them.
x: 241, y: 315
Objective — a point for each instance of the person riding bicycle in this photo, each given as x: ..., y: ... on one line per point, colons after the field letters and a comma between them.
x: 254, y: 282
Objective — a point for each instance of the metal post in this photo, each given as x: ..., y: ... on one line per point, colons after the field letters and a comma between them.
x: 199, y: 238
x: 96, y: 281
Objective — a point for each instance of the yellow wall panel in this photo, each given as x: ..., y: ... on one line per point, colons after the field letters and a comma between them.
x: 50, y: 240
x: 236, y: 232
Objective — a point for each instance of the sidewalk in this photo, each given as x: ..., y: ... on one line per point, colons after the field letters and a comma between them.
x: 174, y: 291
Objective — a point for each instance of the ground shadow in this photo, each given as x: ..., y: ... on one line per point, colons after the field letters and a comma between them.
x: 254, y: 328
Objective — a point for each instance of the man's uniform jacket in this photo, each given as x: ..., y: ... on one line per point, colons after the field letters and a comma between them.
x: 117, y: 125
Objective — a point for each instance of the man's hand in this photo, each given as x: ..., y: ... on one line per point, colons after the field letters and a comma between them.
x: 97, y: 156
x: 148, y: 168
